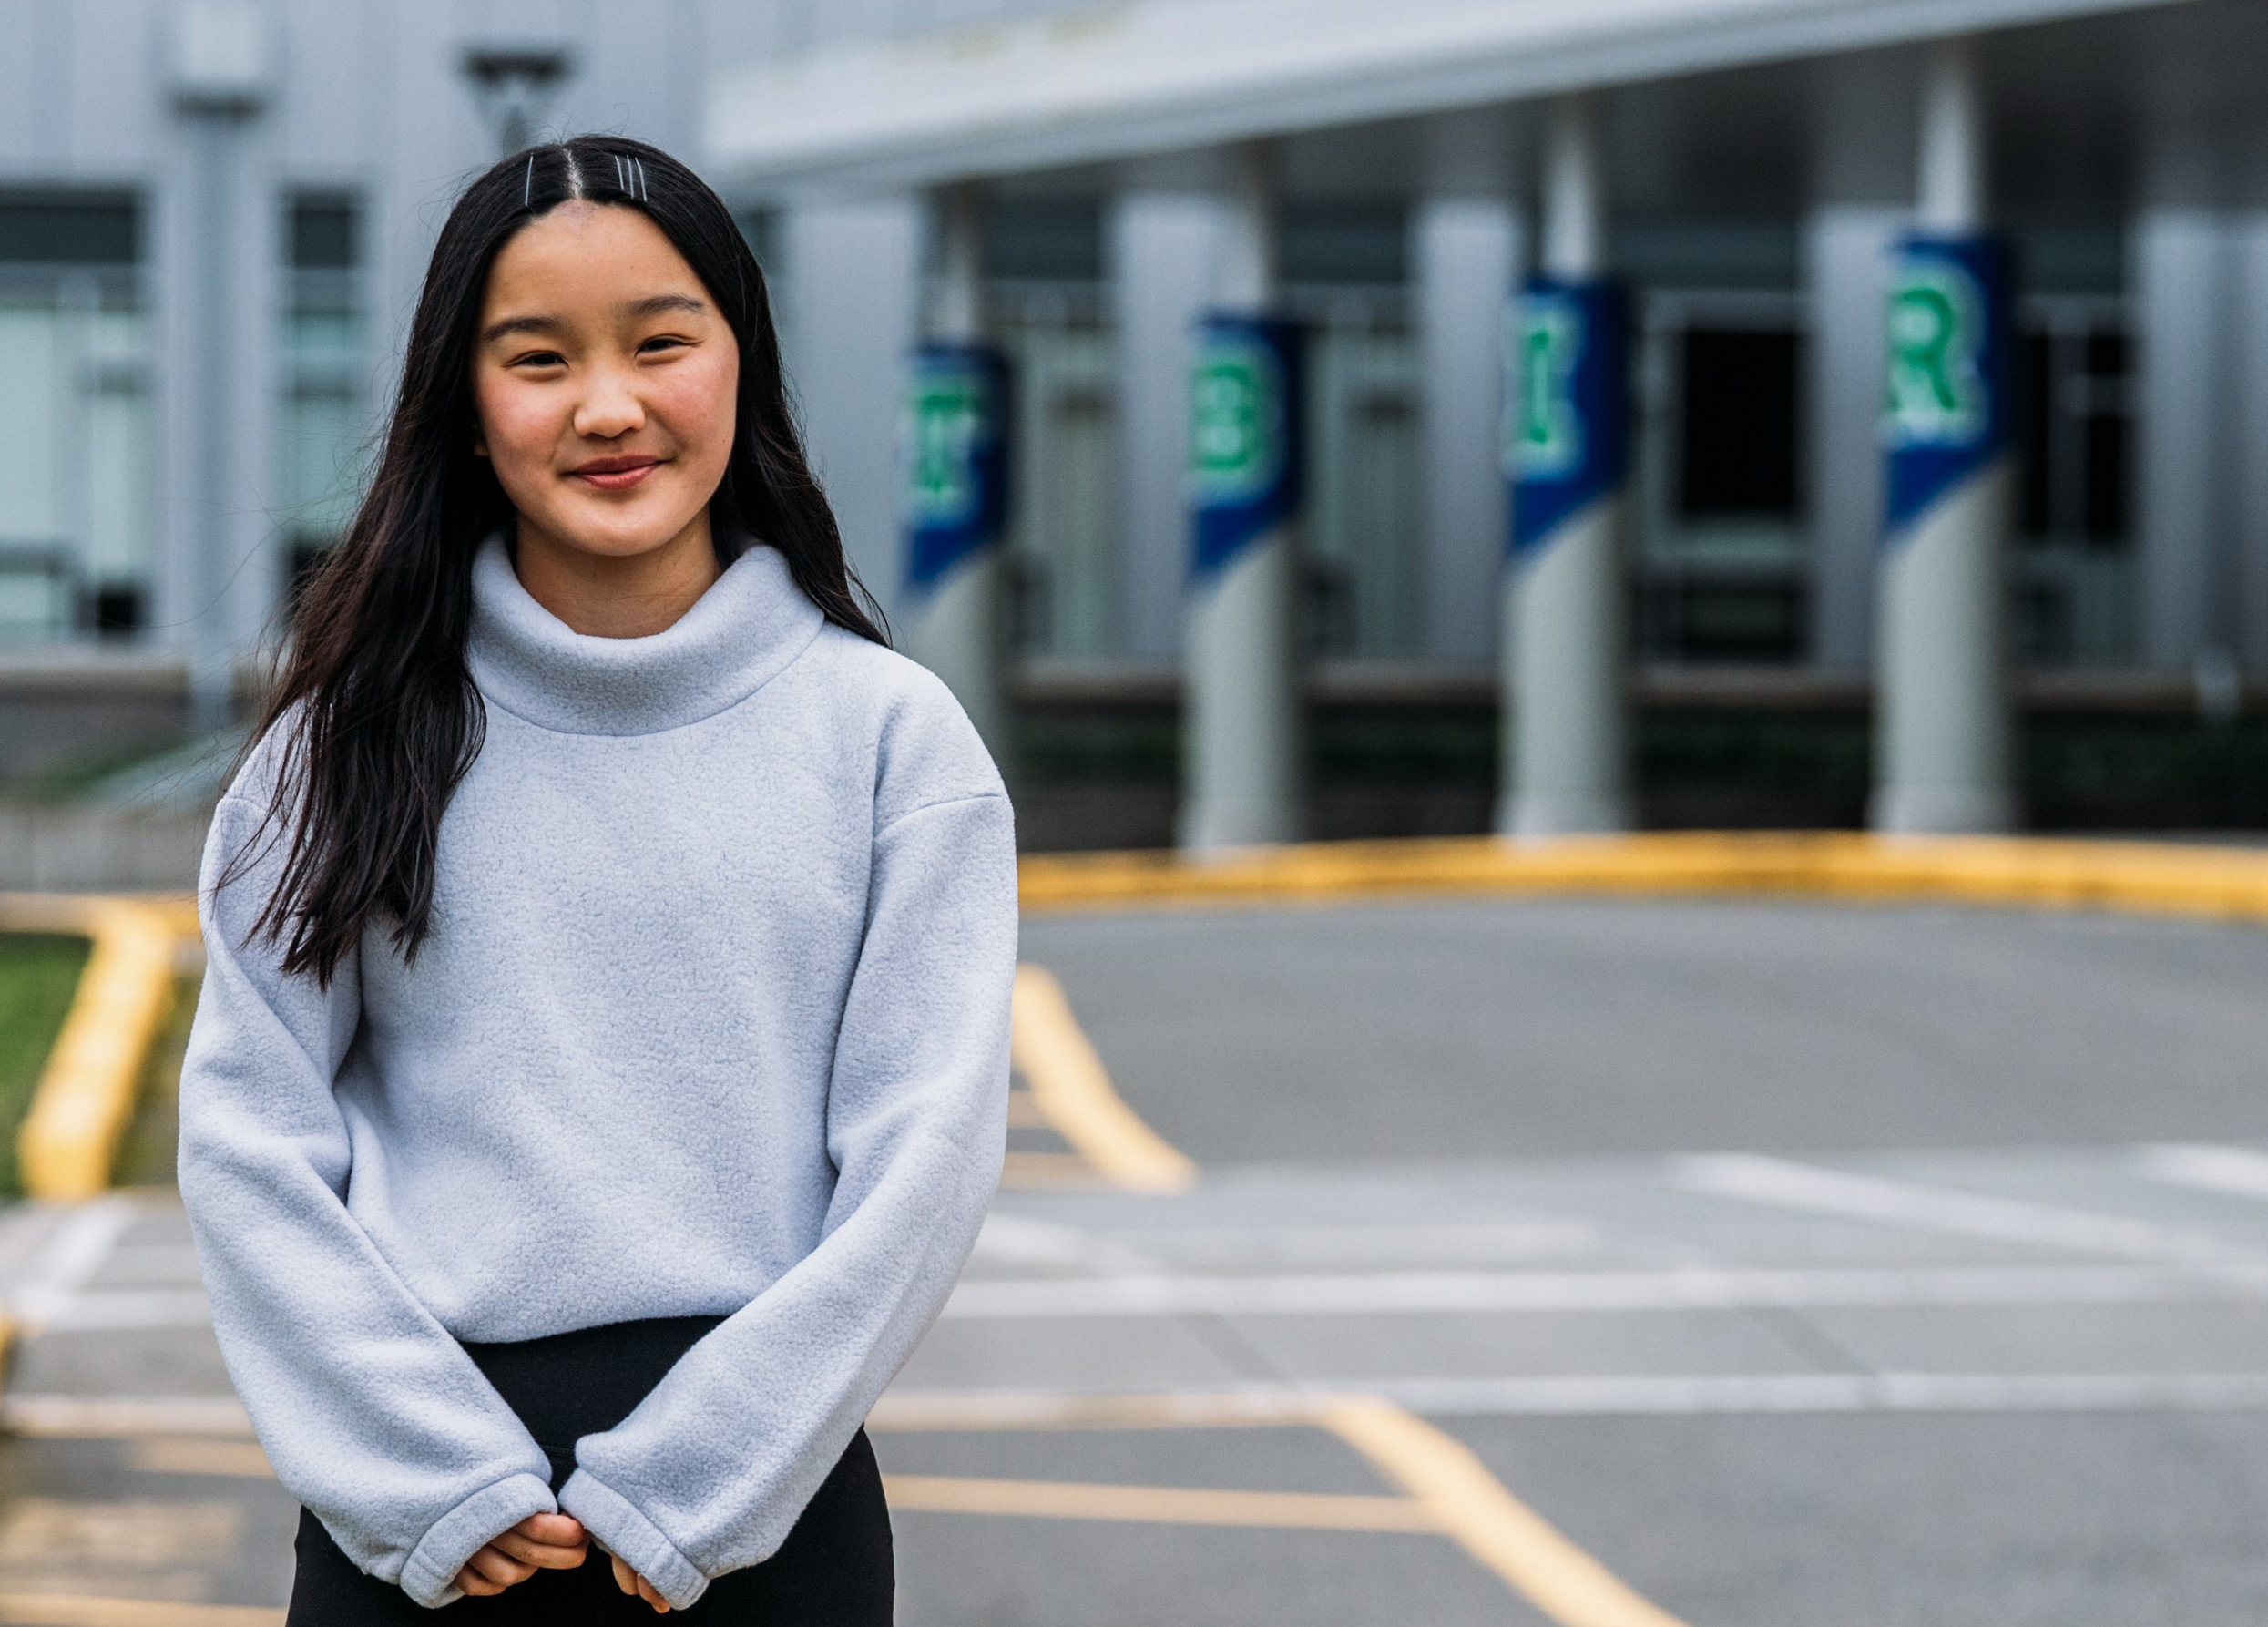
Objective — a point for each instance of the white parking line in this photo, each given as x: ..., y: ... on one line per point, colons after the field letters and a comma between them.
x: 120, y: 1309
x: 1684, y: 1288
x: 1641, y: 1395
x: 1785, y: 1184
x: 2230, y: 1170
x: 1834, y: 1393
x: 68, y: 1258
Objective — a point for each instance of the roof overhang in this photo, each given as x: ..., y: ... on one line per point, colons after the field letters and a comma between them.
x: 1159, y: 76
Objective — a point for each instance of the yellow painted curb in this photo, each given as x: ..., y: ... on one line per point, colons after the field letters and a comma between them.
x: 85, y: 1098
x: 1073, y: 1092
x: 2142, y: 877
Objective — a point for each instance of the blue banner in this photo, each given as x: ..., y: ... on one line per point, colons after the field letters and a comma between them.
x: 1567, y: 423
x: 955, y: 457
x: 1945, y: 409
x: 1246, y: 455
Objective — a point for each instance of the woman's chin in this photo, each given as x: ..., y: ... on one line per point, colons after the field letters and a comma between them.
x: 613, y: 532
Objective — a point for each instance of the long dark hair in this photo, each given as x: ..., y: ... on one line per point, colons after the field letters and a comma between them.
x: 387, y: 716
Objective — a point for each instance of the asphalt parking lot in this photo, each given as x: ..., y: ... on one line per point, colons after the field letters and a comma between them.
x: 1621, y: 1265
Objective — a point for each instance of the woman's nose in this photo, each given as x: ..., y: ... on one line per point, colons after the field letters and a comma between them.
x: 609, y: 408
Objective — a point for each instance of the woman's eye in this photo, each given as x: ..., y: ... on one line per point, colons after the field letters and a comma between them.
x: 539, y: 358
x: 659, y: 343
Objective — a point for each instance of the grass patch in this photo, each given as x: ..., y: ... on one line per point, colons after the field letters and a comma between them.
x: 38, y: 975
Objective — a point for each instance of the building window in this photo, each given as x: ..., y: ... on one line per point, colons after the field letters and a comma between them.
x: 1345, y: 270
x: 2074, y: 504
x: 324, y: 426
x: 1720, y: 566
x: 77, y: 557
x: 1043, y: 263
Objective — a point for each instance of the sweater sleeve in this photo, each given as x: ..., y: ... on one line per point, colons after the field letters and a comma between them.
x: 709, y: 1473
x: 371, y: 1413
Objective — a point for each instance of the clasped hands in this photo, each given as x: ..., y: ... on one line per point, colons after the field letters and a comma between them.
x: 544, y: 1542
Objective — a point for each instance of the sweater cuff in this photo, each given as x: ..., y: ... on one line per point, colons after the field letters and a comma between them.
x: 429, y: 1574
x: 622, y: 1530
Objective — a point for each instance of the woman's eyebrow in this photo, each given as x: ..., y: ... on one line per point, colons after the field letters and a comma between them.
x: 660, y: 305
x: 519, y: 324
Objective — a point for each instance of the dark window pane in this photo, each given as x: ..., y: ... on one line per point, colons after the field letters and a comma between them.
x: 760, y: 228
x: 305, y: 558
x: 2108, y: 516
x: 120, y: 609
x: 1746, y: 617
x: 2034, y: 401
x: 1043, y: 241
x: 1736, y: 454
x: 1366, y: 243
x: 1670, y: 253
x: 2107, y: 355
x: 69, y: 231
x: 322, y: 236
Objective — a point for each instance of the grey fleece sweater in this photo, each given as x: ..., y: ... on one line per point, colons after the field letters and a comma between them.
x: 712, y: 1020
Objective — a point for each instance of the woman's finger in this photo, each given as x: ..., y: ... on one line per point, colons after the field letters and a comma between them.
x: 652, y: 1595
x: 559, y: 1530
x: 473, y: 1583
x: 549, y: 1556
x: 500, y: 1567
x: 624, y: 1577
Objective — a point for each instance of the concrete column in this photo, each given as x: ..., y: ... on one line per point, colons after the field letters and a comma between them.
x: 1161, y: 246
x: 1241, y: 737
x: 1863, y: 186
x: 956, y: 417
x: 1566, y: 745
x: 217, y: 242
x: 1467, y: 251
x: 2188, y: 272
x: 854, y: 269
x: 1845, y: 249
x: 1943, y: 744
x: 2249, y: 350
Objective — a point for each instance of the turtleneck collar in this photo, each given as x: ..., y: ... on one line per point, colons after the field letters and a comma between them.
x: 750, y: 623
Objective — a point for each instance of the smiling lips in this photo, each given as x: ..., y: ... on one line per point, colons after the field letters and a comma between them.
x: 616, y: 474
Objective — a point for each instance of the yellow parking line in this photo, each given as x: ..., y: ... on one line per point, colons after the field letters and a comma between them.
x: 1021, y: 1169
x: 1160, y: 1505
x: 1071, y: 1086
x: 179, y: 1455
x: 1492, y: 1525
x: 79, y: 1610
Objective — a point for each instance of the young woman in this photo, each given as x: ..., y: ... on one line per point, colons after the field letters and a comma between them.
x: 600, y: 1069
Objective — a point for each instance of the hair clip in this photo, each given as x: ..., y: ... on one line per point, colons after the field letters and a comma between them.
x: 527, y: 187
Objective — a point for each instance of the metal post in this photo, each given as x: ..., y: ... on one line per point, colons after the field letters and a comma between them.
x: 1242, y: 736
x: 956, y: 429
x: 1565, y: 744
x: 1943, y: 744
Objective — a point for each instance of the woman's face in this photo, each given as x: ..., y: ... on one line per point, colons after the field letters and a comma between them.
x: 604, y: 381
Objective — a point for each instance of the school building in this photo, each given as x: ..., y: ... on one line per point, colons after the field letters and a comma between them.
x: 1753, y: 577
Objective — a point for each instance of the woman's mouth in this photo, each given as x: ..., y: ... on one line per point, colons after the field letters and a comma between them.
x: 616, y: 474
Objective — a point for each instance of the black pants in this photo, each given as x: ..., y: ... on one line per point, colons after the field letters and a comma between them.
x: 833, y: 1570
